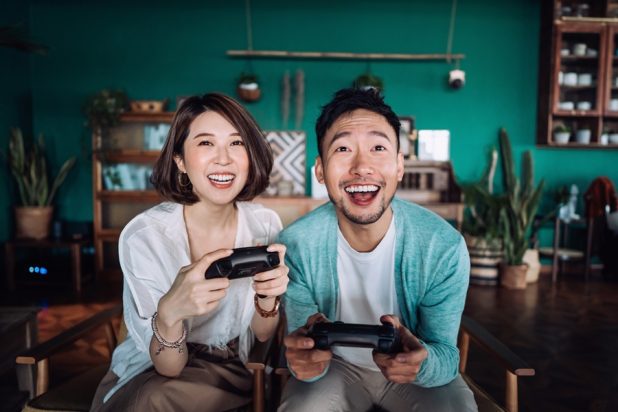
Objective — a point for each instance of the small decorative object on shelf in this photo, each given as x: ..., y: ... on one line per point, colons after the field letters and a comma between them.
x: 582, y: 136
x: 248, y: 88
x: 148, y: 106
x: 562, y: 133
x: 103, y: 109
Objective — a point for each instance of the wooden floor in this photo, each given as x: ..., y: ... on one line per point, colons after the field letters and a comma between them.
x: 568, y: 332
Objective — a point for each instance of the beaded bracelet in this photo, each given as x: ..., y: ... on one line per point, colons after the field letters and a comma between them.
x: 266, y: 313
x: 166, y: 344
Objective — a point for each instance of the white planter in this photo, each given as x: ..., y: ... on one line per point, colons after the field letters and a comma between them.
x: 582, y: 136
x: 561, y: 137
x: 531, y: 258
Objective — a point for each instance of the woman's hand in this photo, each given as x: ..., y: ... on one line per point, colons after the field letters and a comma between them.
x: 273, y: 282
x: 191, y: 294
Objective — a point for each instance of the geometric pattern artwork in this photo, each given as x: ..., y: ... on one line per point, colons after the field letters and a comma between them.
x: 289, y: 155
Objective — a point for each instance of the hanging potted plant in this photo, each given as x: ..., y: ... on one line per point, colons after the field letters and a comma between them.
x: 29, y: 168
x: 369, y: 81
x: 517, y: 216
x: 248, y: 88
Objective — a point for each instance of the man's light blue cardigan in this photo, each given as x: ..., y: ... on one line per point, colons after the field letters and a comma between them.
x: 431, y: 279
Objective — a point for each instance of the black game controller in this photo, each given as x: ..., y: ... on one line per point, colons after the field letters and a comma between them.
x: 383, y: 338
x: 243, y: 262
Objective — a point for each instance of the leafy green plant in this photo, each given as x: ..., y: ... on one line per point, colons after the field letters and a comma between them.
x: 522, y: 202
x: 29, y: 168
x: 103, y: 109
x: 368, y: 80
x: 483, y: 205
x: 562, y: 128
x: 246, y: 78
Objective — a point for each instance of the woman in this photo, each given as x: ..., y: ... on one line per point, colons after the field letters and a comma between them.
x: 214, y: 160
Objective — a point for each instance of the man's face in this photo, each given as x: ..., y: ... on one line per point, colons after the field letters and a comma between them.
x: 360, y: 165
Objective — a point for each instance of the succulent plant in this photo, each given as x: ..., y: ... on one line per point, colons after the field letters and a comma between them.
x: 29, y: 168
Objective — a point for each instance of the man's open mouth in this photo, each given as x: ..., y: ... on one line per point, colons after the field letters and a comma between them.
x: 362, y: 194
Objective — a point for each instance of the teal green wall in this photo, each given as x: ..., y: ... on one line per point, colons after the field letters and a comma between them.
x: 155, y: 50
x: 15, y: 103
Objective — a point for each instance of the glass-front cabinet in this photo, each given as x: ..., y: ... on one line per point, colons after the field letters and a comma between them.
x: 578, y: 76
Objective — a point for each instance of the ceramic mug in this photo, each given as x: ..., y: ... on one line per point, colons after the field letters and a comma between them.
x: 604, y: 139
x: 613, y: 138
x: 570, y: 79
x: 566, y: 106
x: 579, y: 49
x: 583, y: 105
x: 613, y: 105
x: 584, y: 79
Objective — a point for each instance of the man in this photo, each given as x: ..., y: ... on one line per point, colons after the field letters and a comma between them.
x: 366, y: 257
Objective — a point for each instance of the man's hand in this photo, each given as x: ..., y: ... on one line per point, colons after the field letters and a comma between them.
x: 304, y: 361
x: 404, y: 366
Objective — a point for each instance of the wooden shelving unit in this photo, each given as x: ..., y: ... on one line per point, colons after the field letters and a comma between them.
x: 578, y: 74
x: 113, y: 209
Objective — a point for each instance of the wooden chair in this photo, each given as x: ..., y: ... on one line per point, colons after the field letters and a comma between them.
x: 513, y: 365
x: 77, y: 393
x: 469, y: 331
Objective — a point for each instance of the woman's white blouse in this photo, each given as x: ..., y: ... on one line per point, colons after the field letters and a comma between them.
x: 152, y: 249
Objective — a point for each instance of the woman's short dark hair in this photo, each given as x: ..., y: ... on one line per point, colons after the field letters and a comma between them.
x: 348, y: 100
x: 165, y: 174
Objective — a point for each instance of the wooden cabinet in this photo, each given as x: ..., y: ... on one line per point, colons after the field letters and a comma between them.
x: 578, y: 76
x: 122, y: 162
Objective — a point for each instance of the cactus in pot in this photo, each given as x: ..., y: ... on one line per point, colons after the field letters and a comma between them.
x: 522, y: 202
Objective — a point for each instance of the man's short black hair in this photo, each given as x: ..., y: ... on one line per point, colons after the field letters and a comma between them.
x: 348, y: 100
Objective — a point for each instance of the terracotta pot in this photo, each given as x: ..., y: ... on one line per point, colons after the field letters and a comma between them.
x: 531, y: 258
x: 249, y: 95
x: 32, y: 222
x: 513, y: 277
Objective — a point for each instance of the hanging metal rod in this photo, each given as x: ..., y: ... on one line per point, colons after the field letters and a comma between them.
x: 282, y: 54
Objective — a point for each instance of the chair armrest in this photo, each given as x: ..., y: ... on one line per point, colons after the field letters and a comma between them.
x: 490, y: 344
x: 32, y: 364
x: 260, y: 354
x: 513, y: 364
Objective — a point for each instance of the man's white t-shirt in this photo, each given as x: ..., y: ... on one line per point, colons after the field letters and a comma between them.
x: 366, y: 290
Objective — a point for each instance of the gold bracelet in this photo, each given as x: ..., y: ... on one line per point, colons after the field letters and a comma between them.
x: 266, y: 313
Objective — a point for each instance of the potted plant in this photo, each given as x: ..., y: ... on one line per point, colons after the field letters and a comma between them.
x: 103, y: 109
x: 562, y: 133
x: 582, y: 136
x: 369, y: 81
x: 517, y: 216
x: 481, y: 228
x: 29, y: 168
x: 248, y: 87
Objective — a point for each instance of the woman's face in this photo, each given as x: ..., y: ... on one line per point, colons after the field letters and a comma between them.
x: 215, y: 159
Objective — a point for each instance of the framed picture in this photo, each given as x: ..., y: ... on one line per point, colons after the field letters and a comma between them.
x: 407, y: 134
